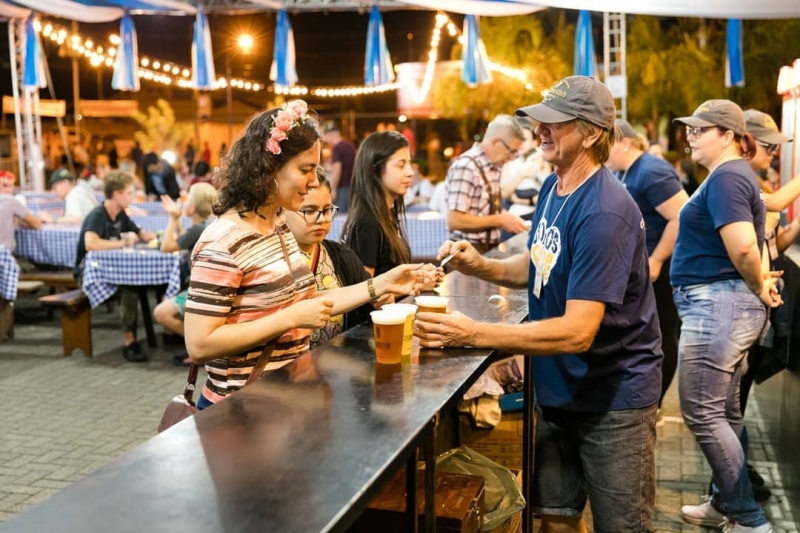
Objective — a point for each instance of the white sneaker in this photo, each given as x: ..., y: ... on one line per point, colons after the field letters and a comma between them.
x: 731, y: 527
x: 703, y: 515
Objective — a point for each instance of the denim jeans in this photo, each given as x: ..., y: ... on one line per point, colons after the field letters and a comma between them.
x: 609, y: 455
x: 721, y: 321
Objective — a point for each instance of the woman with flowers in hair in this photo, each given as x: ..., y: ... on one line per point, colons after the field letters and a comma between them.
x: 250, y: 284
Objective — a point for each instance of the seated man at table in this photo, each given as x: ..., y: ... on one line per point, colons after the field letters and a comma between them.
x: 79, y: 199
x: 202, y: 196
x: 159, y: 178
x: 107, y: 227
x: 12, y: 211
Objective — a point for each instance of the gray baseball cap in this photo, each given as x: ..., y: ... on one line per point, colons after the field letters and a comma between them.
x: 763, y: 128
x: 626, y: 130
x: 61, y: 174
x: 574, y: 97
x: 721, y: 113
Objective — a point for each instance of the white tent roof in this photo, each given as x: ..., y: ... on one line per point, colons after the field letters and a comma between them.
x: 744, y: 9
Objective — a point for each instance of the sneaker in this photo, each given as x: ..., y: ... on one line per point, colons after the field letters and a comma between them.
x: 755, y: 478
x: 761, y: 494
x: 133, y: 353
x: 703, y: 515
x: 732, y: 527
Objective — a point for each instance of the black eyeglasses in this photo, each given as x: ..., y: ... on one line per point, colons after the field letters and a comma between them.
x: 510, y: 151
x: 692, y: 131
x: 770, y: 148
x: 311, y: 216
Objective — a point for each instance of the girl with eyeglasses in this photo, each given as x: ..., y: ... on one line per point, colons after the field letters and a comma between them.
x: 333, y: 265
x: 381, y: 177
x: 722, y: 294
x: 251, y: 290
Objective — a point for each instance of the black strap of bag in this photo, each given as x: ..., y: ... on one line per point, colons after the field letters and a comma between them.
x: 266, y: 353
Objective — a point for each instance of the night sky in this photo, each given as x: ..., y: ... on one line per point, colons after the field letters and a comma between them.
x: 330, y: 47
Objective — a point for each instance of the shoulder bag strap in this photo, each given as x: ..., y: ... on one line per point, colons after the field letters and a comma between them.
x: 495, y: 199
x: 266, y: 353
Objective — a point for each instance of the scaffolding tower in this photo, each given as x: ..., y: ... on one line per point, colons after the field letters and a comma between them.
x: 615, y: 72
x: 27, y: 120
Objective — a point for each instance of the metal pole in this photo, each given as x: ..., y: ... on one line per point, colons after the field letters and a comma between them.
x: 14, y: 53
x: 230, y: 97
x: 76, y: 90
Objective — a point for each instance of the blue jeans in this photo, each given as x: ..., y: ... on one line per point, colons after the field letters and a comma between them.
x: 721, y: 321
x: 609, y: 455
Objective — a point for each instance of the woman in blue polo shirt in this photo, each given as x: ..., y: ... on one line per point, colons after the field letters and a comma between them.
x: 657, y: 190
x: 721, y: 296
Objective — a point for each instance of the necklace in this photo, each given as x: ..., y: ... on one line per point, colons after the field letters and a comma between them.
x: 550, y: 196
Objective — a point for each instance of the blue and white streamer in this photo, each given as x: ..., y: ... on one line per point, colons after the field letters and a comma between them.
x: 203, y: 74
x: 585, y: 60
x: 378, y: 69
x: 126, y: 65
x: 475, y: 69
x: 283, y: 70
x: 32, y: 68
x: 734, y: 57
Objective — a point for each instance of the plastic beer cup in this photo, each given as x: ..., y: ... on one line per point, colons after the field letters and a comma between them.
x: 388, y: 328
x: 431, y: 304
x: 409, y: 311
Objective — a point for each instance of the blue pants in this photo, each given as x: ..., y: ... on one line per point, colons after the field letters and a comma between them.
x: 721, y: 321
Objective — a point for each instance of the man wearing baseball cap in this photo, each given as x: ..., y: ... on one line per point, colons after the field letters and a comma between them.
x: 593, y: 330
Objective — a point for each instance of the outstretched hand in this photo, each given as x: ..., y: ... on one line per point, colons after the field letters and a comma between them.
x: 439, y: 330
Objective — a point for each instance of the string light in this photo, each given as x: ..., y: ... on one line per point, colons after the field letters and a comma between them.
x: 169, y: 74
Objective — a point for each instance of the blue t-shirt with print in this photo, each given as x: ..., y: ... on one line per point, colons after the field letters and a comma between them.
x: 651, y: 181
x: 730, y: 194
x: 592, y: 247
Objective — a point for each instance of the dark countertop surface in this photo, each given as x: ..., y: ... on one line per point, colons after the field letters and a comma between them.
x: 302, y: 450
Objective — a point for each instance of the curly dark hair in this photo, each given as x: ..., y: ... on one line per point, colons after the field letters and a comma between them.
x: 367, y: 196
x: 246, y: 179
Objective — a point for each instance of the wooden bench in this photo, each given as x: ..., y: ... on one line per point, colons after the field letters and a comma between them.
x: 76, y: 319
x: 54, y: 279
x: 7, y: 308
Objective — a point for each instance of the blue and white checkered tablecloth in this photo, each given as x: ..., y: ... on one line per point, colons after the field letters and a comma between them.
x: 158, y: 222
x: 38, y: 195
x: 9, y: 275
x: 46, y: 205
x: 104, y: 271
x: 425, y: 231
x: 51, y: 245
x: 154, y: 208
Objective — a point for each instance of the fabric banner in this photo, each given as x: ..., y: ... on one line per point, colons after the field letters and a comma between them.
x: 33, y: 77
x: 283, y: 70
x: 585, y: 59
x: 734, y: 58
x: 378, y: 68
x: 475, y: 61
x: 126, y: 72
x: 203, y: 74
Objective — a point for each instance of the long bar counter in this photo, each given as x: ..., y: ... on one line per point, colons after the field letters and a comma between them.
x: 302, y: 450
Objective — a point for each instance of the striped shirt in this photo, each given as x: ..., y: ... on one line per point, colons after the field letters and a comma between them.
x: 466, y: 192
x: 243, y: 276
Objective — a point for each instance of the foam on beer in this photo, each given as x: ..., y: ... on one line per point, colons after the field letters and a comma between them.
x: 431, y: 302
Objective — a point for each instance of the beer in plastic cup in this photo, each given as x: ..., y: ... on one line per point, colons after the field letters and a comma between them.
x: 388, y: 328
x: 431, y: 304
x: 409, y: 310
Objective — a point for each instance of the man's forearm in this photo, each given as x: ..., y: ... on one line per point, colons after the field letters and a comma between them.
x: 553, y: 336
x: 510, y: 272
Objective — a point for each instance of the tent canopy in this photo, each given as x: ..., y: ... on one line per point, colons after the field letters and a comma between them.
x: 106, y: 10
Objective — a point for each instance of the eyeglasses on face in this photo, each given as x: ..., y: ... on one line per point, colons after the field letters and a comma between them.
x: 769, y: 148
x: 311, y: 216
x: 513, y: 153
x: 692, y: 131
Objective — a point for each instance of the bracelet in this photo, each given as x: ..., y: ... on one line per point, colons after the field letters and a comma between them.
x: 371, y: 288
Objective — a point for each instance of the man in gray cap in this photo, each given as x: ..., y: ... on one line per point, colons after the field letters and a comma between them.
x: 79, y: 200
x: 592, y: 331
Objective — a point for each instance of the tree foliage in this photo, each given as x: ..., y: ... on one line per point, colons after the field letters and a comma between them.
x: 517, y: 42
x: 159, y: 130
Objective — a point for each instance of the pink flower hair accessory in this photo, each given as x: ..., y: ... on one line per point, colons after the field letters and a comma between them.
x: 290, y: 115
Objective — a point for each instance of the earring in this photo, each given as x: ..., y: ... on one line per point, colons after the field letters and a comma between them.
x: 275, y: 180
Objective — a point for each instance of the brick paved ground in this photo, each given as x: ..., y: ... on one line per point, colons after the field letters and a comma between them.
x: 66, y: 417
